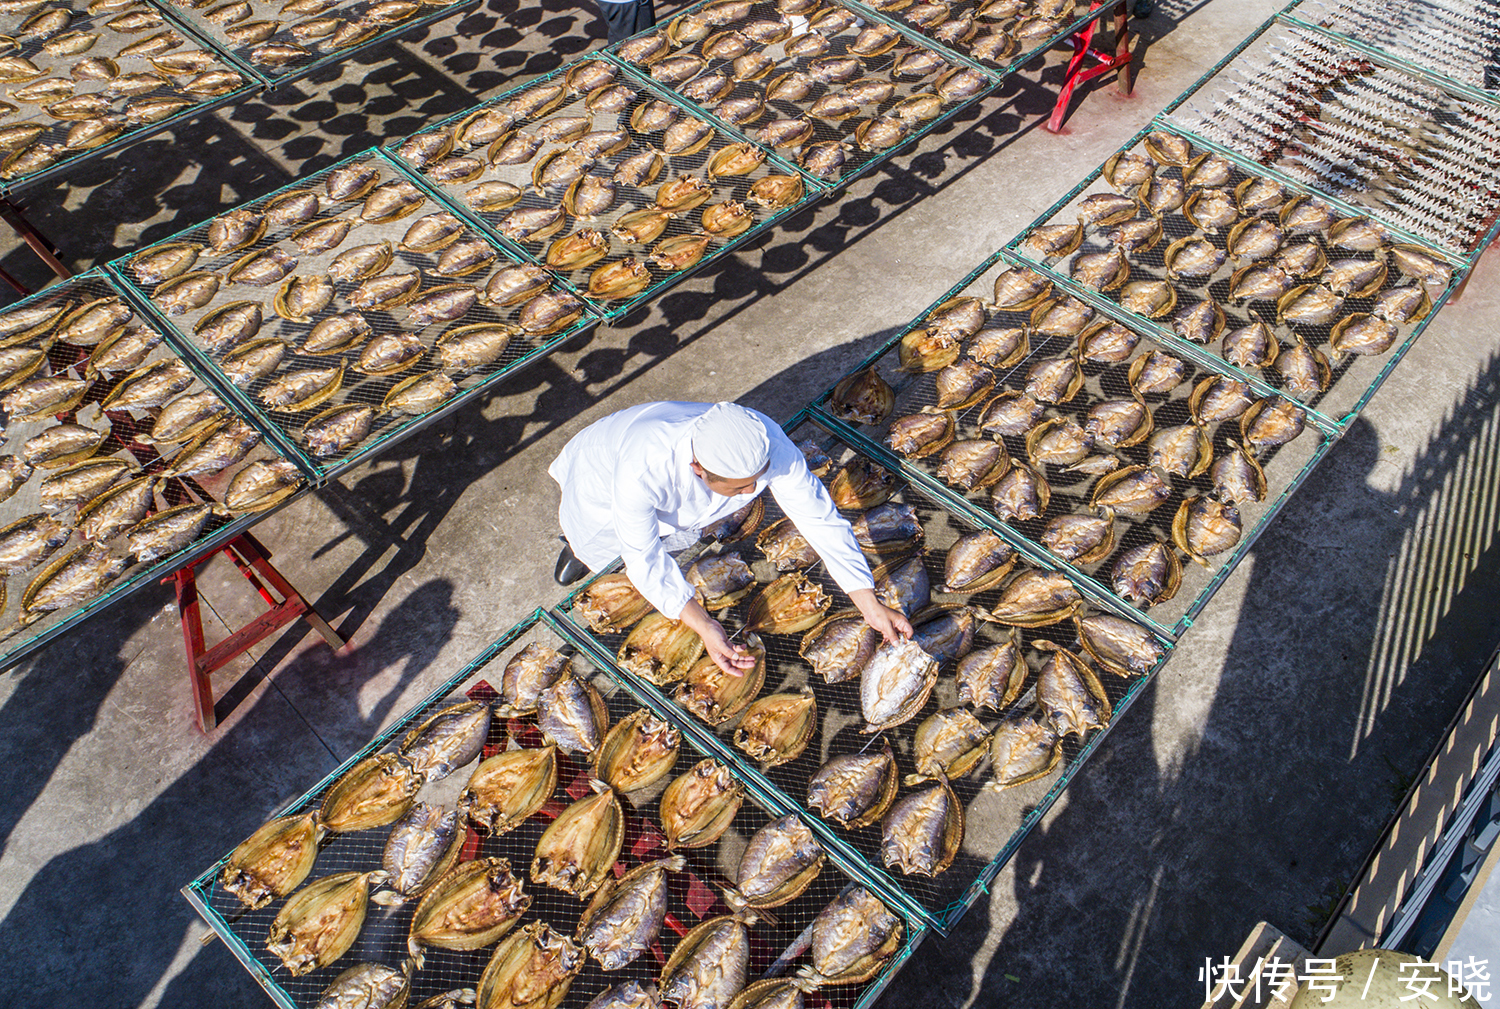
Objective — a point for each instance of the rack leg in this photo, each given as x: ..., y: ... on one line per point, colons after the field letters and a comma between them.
x: 1083, y: 52
x: 254, y: 562
x: 45, y: 250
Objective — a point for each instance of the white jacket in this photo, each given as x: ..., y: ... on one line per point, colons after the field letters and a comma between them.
x: 627, y: 483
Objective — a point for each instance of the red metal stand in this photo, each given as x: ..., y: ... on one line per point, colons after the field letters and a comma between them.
x: 254, y: 563
x: 1098, y: 61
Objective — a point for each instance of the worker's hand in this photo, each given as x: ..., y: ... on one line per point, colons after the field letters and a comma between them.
x: 734, y: 659
x: 892, y: 624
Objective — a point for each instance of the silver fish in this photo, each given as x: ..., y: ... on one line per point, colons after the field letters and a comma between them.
x: 922, y: 833
x: 422, y: 846
x: 215, y: 450
x: 992, y: 677
x: 447, y: 741
x: 904, y: 585
x: 81, y: 482
x: 855, y: 789
x: 778, y: 864
x: 1121, y: 646
x: 530, y: 671
x: 167, y: 532
x: 1070, y: 694
x: 368, y: 986
x: 625, y: 917
x: 852, y: 939
x: 62, y: 444
x: 572, y: 714
x: 30, y: 540
x: 895, y: 684
x: 261, y: 485
x: 1081, y: 538
x: 1012, y: 413
x: 338, y: 429
x: 626, y: 995
x: 72, y: 579
x: 708, y: 967
x: 977, y: 561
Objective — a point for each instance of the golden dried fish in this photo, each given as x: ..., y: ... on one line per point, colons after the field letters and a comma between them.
x: 1205, y: 526
x: 697, y: 807
x: 369, y: 986
x: 1210, y: 209
x: 1037, y: 598
x: 783, y: 545
x: 1023, y: 749
x: 1184, y: 450
x: 1259, y: 282
x: 63, y: 444
x: 625, y: 916
x: 273, y: 861
x: 660, y: 649
x: 1053, y: 240
x: 1162, y: 194
x: 261, y: 485
x: 947, y: 744
x: 1010, y: 413
x: 1128, y: 169
x: 1421, y: 264
x: 1147, y: 574
x: 472, y: 905
x: 187, y: 292
x: 862, y: 484
x: 578, y: 850
x: 789, y: 604
x: 1022, y: 493
x: 507, y: 788
x: 373, y: 793
x: 1364, y: 334
x: 338, y: 429
x: 1216, y: 399
x: 1304, y: 369
x: 1156, y: 371
x: 1358, y: 234
x: 1001, y: 348
x: 610, y: 603
x: 992, y: 677
x: 778, y: 727
x: 1402, y: 305
x: 1061, y: 317
x: 863, y: 398
x: 920, y: 435
x: 922, y: 833
x: 116, y: 509
x: 973, y: 464
x: 262, y: 268
x: 721, y: 580
x: 716, y: 696
x: 1120, y: 646
x: 321, y: 921
x: 887, y: 529
x: 776, y: 192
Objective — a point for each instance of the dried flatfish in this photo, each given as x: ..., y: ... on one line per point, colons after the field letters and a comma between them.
x: 1037, y: 598
x: 1022, y: 493
x: 52, y: 394
x: 895, y: 684
x: 422, y: 846
x: 507, y: 788
x: 1106, y: 209
x: 610, y: 602
x: 273, y: 861
x: 697, y: 807
x: 1023, y: 749
x: 1060, y: 440
x: 625, y: 916
x: 578, y: 849
x: 1304, y: 369
x: 779, y: 863
x: 973, y: 463
x: 391, y: 201
x: 321, y: 921
x: 992, y: 677
x: 660, y: 649
x: 921, y: 434
x: 887, y: 529
x: 1259, y: 282
x: 1001, y: 348
x: 1120, y: 646
x: 470, y: 906
x: 863, y: 398
x: 1216, y: 399
x: 1010, y: 413
x: 187, y: 292
x: 1103, y: 271
x: 928, y: 349
x: 1061, y: 317
x: 261, y: 269
x: 1119, y: 423
x: 948, y: 743
x: 1363, y: 334
x: 784, y: 546
x: 377, y: 791
x: 862, y: 484
x: 447, y: 741
x: 922, y: 833
x: 708, y: 967
x: 1070, y: 693
x: 1184, y: 450
x: 571, y: 714
x: 262, y: 485
x: 1080, y: 538
x: 1156, y: 371
x: 855, y: 790
x: 530, y: 969
x: 1210, y: 209
x: 1205, y: 526
x: 777, y: 728
x: 1147, y: 574
x: 716, y: 696
x: 1020, y: 289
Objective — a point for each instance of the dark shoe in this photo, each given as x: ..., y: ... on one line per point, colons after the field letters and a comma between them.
x: 569, y: 568
x: 1142, y: 9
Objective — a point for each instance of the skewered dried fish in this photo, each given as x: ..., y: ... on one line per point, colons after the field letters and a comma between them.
x: 579, y: 848
x: 320, y: 922
x: 273, y: 861
x: 697, y: 807
x: 507, y: 788
x: 777, y: 728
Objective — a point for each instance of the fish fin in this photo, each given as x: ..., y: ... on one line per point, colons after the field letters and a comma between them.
x: 387, y: 898
x: 415, y: 949
x: 911, y: 780
x: 674, y: 863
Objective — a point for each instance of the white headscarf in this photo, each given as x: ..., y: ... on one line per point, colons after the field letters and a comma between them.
x: 731, y: 442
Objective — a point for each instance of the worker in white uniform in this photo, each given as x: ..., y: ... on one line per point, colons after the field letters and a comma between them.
x: 647, y: 480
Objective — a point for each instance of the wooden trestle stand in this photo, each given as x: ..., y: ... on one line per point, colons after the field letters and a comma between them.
x: 254, y: 562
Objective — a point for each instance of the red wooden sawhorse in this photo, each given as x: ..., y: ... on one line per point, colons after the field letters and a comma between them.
x: 254, y: 562
x: 1102, y: 61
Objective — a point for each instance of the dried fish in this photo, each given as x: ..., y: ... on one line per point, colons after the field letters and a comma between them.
x: 273, y: 861
x: 625, y: 917
x: 922, y: 833
x: 697, y: 807
x: 321, y: 921
x: 1205, y: 526
x: 779, y: 863
x: 895, y: 684
x: 1023, y: 749
x: 777, y: 728
x: 422, y: 846
x: 992, y: 677
x: 471, y: 905
x: 578, y: 849
x: 507, y: 788
x: 1023, y: 493
x: 855, y: 790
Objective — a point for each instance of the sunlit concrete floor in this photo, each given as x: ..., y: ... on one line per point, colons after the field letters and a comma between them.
x: 1246, y: 783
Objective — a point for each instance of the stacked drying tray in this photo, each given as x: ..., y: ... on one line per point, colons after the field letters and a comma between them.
x: 964, y: 747
x: 123, y: 462
x: 535, y: 818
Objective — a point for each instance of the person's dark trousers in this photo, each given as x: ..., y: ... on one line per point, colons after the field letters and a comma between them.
x: 627, y: 19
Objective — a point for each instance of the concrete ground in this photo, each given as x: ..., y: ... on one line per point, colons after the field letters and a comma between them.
x: 1247, y: 783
